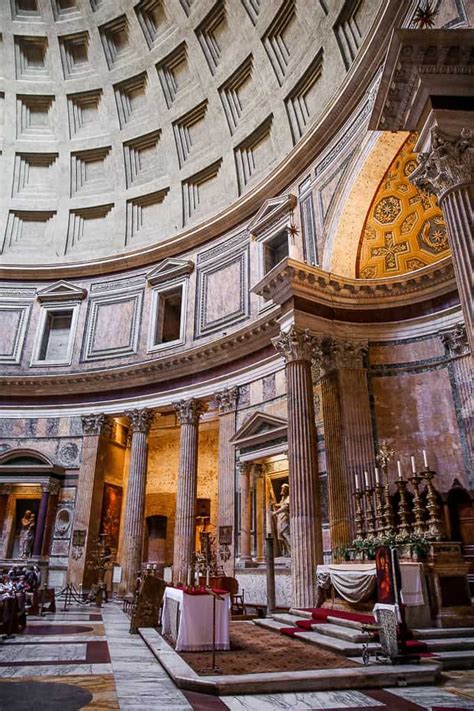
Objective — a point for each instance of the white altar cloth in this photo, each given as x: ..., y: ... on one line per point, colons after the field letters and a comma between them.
x: 195, y: 620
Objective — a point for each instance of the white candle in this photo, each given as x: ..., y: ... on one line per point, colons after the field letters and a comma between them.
x: 399, y: 468
x: 207, y: 578
x: 377, y: 481
x: 366, y: 478
x: 413, y: 467
x: 357, y: 481
x: 425, y: 460
x: 189, y: 577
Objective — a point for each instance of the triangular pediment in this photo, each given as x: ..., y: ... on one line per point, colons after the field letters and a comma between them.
x: 260, y: 427
x: 273, y: 211
x: 169, y: 269
x: 61, y: 291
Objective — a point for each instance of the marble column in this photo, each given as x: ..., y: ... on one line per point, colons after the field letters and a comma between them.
x: 296, y: 347
x: 41, y: 520
x: 189, y: 413
x: 460, y: 369
x: 245, y: 512
x: 140, y: 421
x: 125, y: 471
x: 5, y: 491
x: 348, y: 433
x: 447, y: 170
x: 227, y: 402
x: 259, y: 514
x: 94, y: 427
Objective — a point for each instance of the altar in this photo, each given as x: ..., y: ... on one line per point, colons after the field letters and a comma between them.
x: 188, y: 619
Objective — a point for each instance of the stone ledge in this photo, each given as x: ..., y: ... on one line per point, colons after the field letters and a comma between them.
x: 278, y: 682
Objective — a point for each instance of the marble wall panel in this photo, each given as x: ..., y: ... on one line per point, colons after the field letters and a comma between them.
x: 113, y: 326
x: 416, y: 411
x: 408, y: 352
x: 13, y: 323
x: 254, y: 583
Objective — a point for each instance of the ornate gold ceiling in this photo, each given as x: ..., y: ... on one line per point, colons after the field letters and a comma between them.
x: 404, y: 229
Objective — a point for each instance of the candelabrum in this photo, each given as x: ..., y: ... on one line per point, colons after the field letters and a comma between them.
x: 379, y: 509
x: 359, y: 516
x: 404, y: 528
x: 419, y: 525
x: 384, y: 455
x: 434, y: 521
x: 369, y: 512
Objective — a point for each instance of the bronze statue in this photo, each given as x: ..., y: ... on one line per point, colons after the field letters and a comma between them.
x: 282, y: 515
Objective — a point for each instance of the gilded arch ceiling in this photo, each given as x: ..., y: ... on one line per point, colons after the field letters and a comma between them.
x: 404, y: 229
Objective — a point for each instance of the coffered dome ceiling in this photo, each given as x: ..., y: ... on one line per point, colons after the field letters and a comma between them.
x: 404, y: 229
x: 128, y: 122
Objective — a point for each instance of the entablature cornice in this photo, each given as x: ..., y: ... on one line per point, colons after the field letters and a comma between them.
x: 291, y: 278
x: 421, y: 64
x: 250, y: 339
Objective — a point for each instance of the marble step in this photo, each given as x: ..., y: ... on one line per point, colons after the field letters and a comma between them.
x: 346, y: 633
x: 349, y: 649
x: 450, y: 644
x: 460, y: 659
x: 289, y: 620
x: 269, y: 624
x: 440, y: 632
x: 301, y: 613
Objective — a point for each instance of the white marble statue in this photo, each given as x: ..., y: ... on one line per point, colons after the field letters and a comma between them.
x: 282, y: 515
x: 27, y: 534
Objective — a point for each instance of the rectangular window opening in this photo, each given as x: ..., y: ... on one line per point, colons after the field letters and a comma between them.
x: 56, y: 334
x: 275, y: 250
x: 168, y: 323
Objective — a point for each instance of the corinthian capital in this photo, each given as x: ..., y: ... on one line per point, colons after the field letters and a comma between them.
x: 295, y: 344
x: 345, y: 354
x: 140, y: 420
x: 95, y: 424
x: 227, y: 399
x: 447, y: 165
x: 189, y: 411
x: 455, y: 341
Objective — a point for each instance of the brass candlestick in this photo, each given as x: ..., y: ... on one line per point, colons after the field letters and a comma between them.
x: 403, y: 508
x: 379, y: 509
x: 369, y: 513
x: 384, y: 455
x: 359, y: 516
x: 419, y: 525
x: 434, y: 520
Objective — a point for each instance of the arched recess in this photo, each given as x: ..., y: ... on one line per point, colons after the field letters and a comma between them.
x: 361, y: 184
x: 29, y: 481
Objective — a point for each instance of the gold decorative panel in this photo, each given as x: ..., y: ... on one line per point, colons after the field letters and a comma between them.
x: 404, y: 229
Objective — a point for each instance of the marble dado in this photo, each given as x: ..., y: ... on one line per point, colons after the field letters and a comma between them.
x: 254, y: 585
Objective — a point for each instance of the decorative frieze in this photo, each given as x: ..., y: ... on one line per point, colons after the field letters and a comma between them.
x: 447, y: 165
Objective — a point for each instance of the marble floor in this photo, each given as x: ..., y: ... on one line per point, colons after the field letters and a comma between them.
x: 86, y: 658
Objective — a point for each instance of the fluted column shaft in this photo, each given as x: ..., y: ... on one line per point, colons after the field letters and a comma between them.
x: 447, y: 170
x: 41, y: 522
x: 88, y: 488
x: 245, y: 512
x: 458, y: 209
x: 347, y: 431
x: 457, y: 349
x: 227, y: 401
x: 188, y: 413
x: 297, y: 346
x: 135, y: 506
x: 260, y: 518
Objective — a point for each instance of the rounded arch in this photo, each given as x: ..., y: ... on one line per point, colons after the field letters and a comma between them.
x: 25, y: 457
